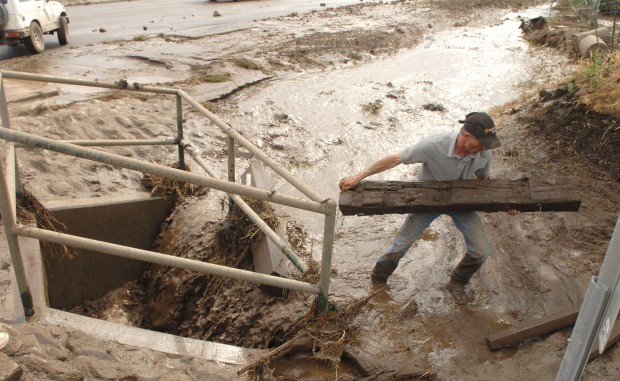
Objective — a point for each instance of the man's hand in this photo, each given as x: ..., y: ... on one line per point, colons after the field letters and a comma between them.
x: 349, y: 183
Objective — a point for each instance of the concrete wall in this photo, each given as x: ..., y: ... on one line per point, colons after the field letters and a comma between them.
x: 133, y: 220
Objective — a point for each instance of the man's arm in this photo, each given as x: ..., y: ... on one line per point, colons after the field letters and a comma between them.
x: 384, y: 164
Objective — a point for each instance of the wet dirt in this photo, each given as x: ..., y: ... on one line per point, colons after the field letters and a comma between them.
x: 336, y: 103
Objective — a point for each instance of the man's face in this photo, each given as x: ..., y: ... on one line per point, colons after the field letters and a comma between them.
x: 472, y: 145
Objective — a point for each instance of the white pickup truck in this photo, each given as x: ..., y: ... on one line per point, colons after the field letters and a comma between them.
x: 26, y: 21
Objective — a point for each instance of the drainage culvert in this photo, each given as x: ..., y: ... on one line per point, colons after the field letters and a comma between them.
x: 163, y: 298
x: 205, y: 307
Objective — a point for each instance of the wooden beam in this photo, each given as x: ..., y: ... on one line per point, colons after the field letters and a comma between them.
x: 535, y: 194
x: 538, y: 327
x: 532, y: 329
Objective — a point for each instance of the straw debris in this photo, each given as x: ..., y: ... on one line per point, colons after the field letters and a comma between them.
x: 30, y: 211
x: 324, y: 336
x: 169, y: 188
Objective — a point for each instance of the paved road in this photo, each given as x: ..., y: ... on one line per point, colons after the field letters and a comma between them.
x: 97, y: 23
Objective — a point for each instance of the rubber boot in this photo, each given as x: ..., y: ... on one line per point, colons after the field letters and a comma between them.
x: 461, y: 276
x: 382, y: 271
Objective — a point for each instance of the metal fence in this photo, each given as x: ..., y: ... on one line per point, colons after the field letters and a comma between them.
x: 10, y: 190
x: 589, y: 10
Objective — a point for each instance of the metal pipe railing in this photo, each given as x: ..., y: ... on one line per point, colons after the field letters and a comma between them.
x: 159, y: 170
x: 116, y: 143
x: 230, y: 142
x: 11, y: 178
x: 317, y: 203
x: 9, y: 221
x: 287, y: 175
x: 162, y: 259
x: 273, y: 236
x: 179, y: 139
x: 120, y: 85
x: 326, y: 257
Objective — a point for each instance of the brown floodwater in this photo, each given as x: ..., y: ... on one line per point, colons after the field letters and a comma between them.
x: 462, y: 70
x: 330, y: 133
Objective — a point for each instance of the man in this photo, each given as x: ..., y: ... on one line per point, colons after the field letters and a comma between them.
x: 446, y: 156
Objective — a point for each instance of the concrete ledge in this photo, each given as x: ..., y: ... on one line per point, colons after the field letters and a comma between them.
x: 11, y: 310
x: 133, y: 220
x: 158, y: 341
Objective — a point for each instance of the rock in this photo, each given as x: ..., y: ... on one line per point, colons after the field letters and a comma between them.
x: 281, y: 117
x: 9, y: 370
x: 373, y: 369
x: 216, y: 14
x: 409, y: 310
x: 103, y: 369
x: 546, y: 95
x: 54, y: 370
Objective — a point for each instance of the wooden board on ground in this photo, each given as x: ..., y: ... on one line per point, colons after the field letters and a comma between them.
x: 538, y: 327
x: 534, y: 194
x: 532, y: 329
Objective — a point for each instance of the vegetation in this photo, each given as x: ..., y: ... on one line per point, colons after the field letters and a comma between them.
x: 245, y: 63
x: 219, y: 77
x: 599, y: 82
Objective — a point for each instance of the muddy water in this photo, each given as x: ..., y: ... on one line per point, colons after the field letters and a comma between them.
x: 461, y: 69
x: 339, y: 122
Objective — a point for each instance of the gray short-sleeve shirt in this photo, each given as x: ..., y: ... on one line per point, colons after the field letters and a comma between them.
x: 441, y: 163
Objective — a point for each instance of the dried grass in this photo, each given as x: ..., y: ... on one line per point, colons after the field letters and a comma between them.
x: 604, y: 96
x: 324, y: 335
x: 168, y: 188
x: 31, y: 211
x: 234, y: 241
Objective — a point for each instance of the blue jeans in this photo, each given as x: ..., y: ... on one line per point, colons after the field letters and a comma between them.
x: 469, y: 224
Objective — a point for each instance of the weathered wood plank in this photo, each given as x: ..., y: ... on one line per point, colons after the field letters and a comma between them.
x: 532, y: 329
x: 539, y: 327
x: 534, y: 194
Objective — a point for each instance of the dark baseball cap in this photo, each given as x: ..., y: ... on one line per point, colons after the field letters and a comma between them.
x: 481, y: 126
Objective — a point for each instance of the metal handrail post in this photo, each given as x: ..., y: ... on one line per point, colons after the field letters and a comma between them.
x: 326, y: 258
x: 231, y: 168
x: 11, y: 182
x: 273, y: 236
x: 9, y: 221
x: 595, y: 6
x: 4, y: 110
x: 19, y: 188
x: 286, y: 174
x: 180, y: 131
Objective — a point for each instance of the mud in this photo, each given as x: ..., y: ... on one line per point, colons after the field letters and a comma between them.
x: 346, y: 87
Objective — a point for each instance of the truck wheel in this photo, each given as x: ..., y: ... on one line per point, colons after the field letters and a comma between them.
x: 63, y: 31
x: 4, y: 16
x: 34, y: 42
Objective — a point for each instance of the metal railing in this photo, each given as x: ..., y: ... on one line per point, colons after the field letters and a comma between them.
x: 10, y: 189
